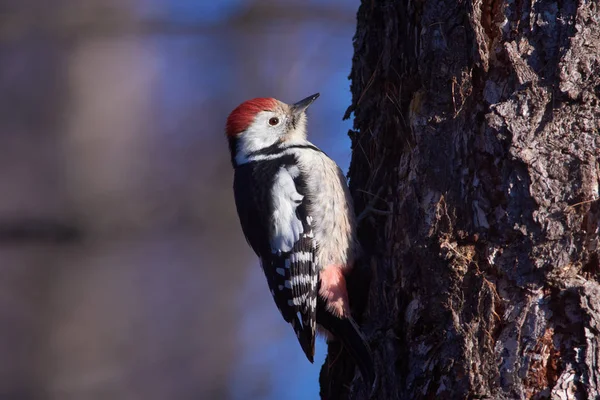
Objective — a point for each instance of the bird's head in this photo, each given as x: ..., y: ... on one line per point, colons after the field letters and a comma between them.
x: 261, y: 123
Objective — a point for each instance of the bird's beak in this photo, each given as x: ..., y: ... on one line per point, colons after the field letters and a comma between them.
x: 301, y: 106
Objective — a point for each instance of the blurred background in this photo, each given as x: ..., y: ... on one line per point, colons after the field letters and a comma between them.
x: 123, y: 270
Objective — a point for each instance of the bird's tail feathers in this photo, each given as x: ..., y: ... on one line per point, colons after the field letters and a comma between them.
x: 306, y: 337
x: 348, y: 332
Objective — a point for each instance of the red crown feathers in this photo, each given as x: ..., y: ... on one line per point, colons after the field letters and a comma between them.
x: 240, y: 119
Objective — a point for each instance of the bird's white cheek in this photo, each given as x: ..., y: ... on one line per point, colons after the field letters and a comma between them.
x: 253, y: 140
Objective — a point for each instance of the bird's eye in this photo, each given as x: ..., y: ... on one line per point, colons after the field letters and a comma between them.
x: 273, y: 121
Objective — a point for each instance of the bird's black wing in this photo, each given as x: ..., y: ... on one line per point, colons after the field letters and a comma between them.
x: 277, y: 226
x: 251, y: 188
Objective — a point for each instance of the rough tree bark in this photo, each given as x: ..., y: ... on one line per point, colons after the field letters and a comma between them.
x: 476, y: 131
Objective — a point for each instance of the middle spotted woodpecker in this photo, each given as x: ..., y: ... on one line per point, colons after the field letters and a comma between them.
x: 296, y: 213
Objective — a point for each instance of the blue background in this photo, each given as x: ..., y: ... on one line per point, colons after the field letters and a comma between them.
x: 112, y: 121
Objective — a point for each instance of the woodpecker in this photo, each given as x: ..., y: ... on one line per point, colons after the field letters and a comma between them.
x: 297, y: 215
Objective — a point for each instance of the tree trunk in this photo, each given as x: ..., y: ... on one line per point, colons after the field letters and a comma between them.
x: 476, y: 144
